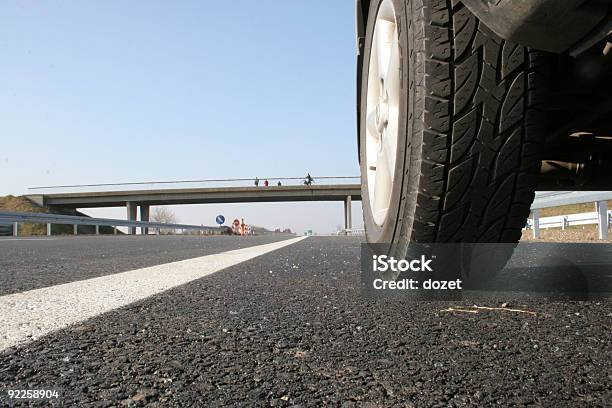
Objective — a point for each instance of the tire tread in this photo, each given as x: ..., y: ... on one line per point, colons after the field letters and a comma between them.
x: 480, y: 127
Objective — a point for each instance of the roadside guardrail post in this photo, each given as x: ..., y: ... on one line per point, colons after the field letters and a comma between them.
x: 602, y: 218
x: 115, y: 230
x: 48, y: 229
x: 75, y: 228
x: 97, y: 230
x: 15, y: 229
x: 536, y: 223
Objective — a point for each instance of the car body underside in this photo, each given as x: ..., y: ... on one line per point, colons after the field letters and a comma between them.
x: 576, y: 152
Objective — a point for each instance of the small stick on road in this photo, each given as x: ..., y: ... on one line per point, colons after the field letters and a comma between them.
x: 452, y: 309
x: 477, y: 308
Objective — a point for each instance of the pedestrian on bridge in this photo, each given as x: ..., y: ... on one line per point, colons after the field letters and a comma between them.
x: 308, y: 181
x: 279, y: 183
x: 256, y: 181
x: 266, y: 183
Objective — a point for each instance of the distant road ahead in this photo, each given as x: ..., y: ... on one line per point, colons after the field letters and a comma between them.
x: 31, y: 263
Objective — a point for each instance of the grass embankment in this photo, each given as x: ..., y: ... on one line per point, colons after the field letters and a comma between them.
x: 22, y: 204
x: 580, y: 233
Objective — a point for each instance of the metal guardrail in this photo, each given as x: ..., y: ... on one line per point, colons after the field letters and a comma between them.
x: 6, y: 229
x: 351, y: 232
x: 44, y: 218
x: 547, y: 199
x: 569, y: 220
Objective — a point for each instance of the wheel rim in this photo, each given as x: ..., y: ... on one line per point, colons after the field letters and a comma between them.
x: 382, y: 111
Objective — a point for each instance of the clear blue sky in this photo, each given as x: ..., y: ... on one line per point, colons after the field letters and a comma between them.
x: 109, y: 91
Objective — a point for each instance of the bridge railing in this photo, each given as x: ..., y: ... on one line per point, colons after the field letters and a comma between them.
x: 144, y: 185
x: 14, y: 218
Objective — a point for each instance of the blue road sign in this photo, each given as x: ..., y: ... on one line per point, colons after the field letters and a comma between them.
x: 220, y: 219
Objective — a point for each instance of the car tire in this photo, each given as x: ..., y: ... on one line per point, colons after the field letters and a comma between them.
x: 467, y: 124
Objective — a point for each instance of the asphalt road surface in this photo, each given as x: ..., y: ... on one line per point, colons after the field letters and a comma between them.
x: 290, y: 328
x: 31, y: 263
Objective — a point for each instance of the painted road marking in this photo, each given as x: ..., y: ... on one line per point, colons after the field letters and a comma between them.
x: 26, y: 239
x: 29, y: 315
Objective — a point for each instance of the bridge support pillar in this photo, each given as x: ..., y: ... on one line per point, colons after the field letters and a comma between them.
x: 602, y: 218
x: 131, y: 216
x: 348, y: 218
x: 144, y: 216
x: 536, y: 223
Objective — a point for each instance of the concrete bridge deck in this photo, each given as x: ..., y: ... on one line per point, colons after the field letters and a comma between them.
x: 131, y: 199
x: 338, y: 192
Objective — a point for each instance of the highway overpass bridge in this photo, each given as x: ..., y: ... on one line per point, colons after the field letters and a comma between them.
x: 132, y: 199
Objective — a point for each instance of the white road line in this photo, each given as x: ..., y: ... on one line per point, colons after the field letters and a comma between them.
x: 29, y: 315
x: 26, y: 239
